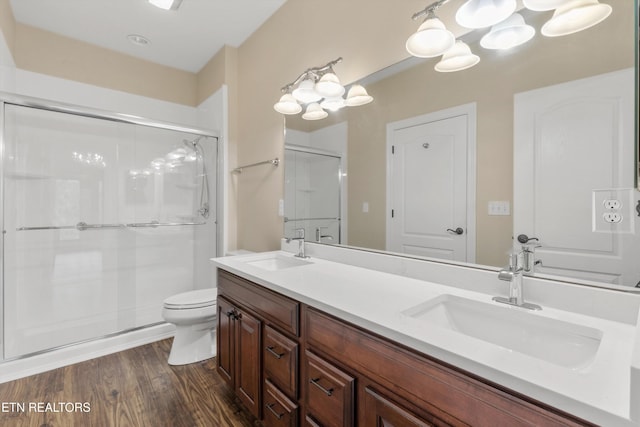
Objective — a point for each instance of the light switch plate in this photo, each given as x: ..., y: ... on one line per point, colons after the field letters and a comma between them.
x: 499, y: 208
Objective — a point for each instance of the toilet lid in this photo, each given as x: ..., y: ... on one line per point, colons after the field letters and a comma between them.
x: 192, y: 299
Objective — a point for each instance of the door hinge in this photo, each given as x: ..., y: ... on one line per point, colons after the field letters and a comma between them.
x: 393, y: 149
x: 392, y: 213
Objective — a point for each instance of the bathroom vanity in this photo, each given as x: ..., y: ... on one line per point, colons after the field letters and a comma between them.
x: 317, y: 342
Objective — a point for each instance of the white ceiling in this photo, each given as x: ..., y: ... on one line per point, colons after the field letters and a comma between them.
x: 184, y: 39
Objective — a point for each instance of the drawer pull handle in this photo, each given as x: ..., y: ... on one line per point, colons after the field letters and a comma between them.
x: 270, y: 408
x: 277, y: 355
x: 315, y: 382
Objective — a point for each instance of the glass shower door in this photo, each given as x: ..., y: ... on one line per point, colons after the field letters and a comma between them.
x: 101, y: 222
x: 312, y: 195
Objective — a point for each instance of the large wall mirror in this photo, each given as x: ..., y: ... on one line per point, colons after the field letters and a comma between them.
x: 549, y: 151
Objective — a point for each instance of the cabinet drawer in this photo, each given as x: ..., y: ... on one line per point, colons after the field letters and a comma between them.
x: 280, y: 356
x: 329, y: 393
x: 272, y: 307
x: 379, y: 411
x: 279, y: 411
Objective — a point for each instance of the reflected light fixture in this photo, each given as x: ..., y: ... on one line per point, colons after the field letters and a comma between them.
x: 166, y: 4
x: 574, y: 16
x: 458, y: 58
x: 509, y: 33
x: 319, y: 88
x: 432, y: 38
x: 484, y: 13
x: 357, y: 96
x: 542, y: 5
x: 314, y: 112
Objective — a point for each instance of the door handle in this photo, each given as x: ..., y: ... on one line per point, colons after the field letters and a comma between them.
x: 457, y: 231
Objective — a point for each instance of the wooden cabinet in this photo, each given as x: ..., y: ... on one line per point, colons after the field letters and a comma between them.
x: 329, y: 393
x: 281, y: 361
x: 239, y: 353
x: 279, y: 411
x: 291, y: 364
x: 380, y: 411
x: 258, y: 352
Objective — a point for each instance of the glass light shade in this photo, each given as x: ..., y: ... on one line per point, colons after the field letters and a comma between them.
x: 287, y: 105
x: 357, y: 96
x: 542, y: 5
x: 484, y: 13
x: 333, y: 104
x: 458, y: 58
x: 329, y: 86
x: 432, y: 39
x: 306, y: 92
x: 166, y: 4
x: 314, y: 112
x: 574, y: 16
x: 509, y: 33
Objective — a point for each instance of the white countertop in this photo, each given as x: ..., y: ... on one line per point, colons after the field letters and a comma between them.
x: 374, y: 300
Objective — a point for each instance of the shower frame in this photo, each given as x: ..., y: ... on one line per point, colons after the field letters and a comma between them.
x: 61, y: 107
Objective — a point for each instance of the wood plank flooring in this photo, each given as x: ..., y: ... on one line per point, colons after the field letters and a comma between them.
x: 133, y: 388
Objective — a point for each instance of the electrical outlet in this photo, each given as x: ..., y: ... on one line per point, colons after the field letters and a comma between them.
x: 612, y: 204
x: 612, y: 217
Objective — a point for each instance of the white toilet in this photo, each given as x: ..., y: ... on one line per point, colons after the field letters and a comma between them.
x: 194, y: 314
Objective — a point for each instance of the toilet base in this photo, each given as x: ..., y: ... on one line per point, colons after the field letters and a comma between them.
x: 193, y: 343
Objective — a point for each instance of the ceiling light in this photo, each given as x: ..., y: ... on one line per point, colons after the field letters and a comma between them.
x: 357, y: 96
x: 509, y: 33
x: 542, y: 5
x: 314, y: 112
x: 287, y: 105
x: 458, y: 58
x: 574, y: 16
x: 432, y: 38
x: 166, y: 4
x: 484, y: 13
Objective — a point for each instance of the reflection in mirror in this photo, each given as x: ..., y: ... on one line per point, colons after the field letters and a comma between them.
x: 538, y: 174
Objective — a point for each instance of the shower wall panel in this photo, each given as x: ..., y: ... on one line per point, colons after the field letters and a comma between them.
x: 92, y: 244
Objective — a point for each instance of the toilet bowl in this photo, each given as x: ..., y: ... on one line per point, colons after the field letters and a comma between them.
x: 194, y: 315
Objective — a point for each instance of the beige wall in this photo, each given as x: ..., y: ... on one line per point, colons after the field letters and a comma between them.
x: 302, y: 34
x: 421, y: 90
x: 7, y: 24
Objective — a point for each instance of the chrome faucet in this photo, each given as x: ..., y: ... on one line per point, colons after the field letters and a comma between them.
x: 300, y: 239
x: 320, y: 236
x: 513, y: 274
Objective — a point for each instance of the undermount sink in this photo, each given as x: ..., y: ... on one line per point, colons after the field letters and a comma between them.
x: 276, y: 261
x: 556, y: 341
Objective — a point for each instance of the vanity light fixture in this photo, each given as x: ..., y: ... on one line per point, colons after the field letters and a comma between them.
x: 542, y: 5
x: 574, y: 16
x: 319, y: 88
x: 509, y: 33
x: 432, y: 38
x: 458, y: 58
x: 314, y: 112
x: 166, y: 4
x: 484, y: 13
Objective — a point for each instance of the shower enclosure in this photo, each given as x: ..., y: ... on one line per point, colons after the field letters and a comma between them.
x: 312, y: 194
x: 103, y: 217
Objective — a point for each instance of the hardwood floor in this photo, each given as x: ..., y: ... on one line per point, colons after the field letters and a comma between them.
x: 135, y: 388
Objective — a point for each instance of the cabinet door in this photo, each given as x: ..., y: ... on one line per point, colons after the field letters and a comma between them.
x: 279, y: 411
x: 380, y: 412
x: 329, y: 393
x: 248, y: 361
x: 281, y: 361
x: 225, y: 341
